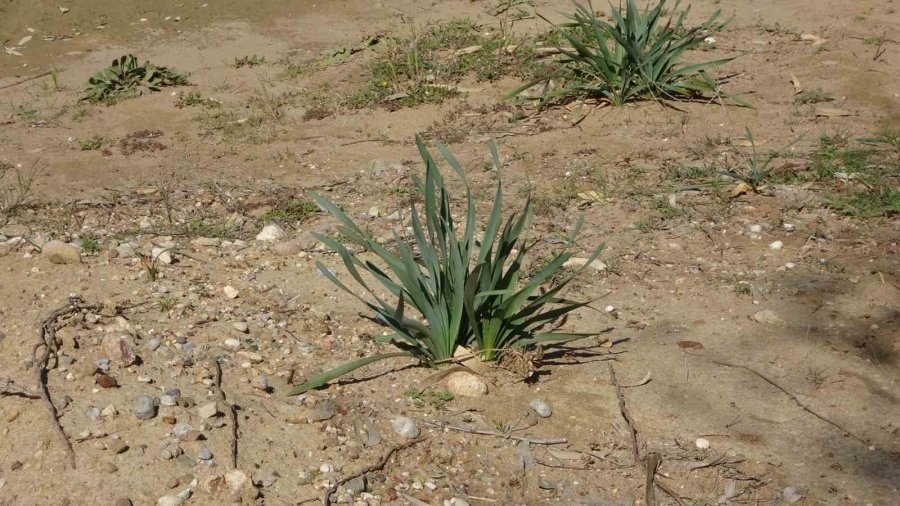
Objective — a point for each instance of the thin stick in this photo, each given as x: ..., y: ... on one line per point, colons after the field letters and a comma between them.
x: 653, y: 461
x: 635, y: 454
x: 22, y: 81
x: 326, y: 500
x: 484, y: 432
x: 795, y: 399
x: 232, y: 416
x: 9, y: 387
x: 47, y: 344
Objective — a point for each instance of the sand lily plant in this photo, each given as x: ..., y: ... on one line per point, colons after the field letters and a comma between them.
x: 126, y: 77
x: 637, y: 56
x: 465, y: 290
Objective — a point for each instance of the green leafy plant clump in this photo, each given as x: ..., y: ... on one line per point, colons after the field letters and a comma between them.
x: 466, y: 291
x: 126, y: 78
x: 638, y: 56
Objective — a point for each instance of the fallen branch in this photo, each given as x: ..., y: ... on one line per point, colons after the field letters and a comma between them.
x: 47, y: 346
x: 25, y: 80
x: 653, y: 459
x: 485, y: 432
x: 9, y: 387
x: 326, y: 500
x: 794, y: 398
x: 232, y: 416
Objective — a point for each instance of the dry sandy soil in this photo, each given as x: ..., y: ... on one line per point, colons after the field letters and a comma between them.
x: 812, y: 415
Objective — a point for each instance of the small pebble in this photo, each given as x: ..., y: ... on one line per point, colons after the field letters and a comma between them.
x: 230, y: 292
x: 406, y: 427
x: 154, y: 344
x: 241, y: 327
x: 204, y: 454
x: 702, y: 443
x: 776, y: 245
x: 541, y: 407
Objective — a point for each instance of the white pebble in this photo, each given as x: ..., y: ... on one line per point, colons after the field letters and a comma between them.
x: 776, y: 245
x: 230, y: 292
x: 701, y: 443
x: 541, y: 407
x: 405, y: 427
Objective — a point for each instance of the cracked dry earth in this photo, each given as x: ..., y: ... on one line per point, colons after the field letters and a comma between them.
x: 755, y: 338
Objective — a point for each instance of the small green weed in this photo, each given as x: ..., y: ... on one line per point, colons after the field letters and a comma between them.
x: 249, y: 61
x: 195, y: 99
x: 26, y: 112
x: 95, y: 142
x: 166, y: 304
x: 874, y: 40
x: 293, y: 210
x: 126, y: 78
x: 813, y: 96
x: 759, y: 166
x: 89, y: 245
x: 436, y: 399
x: 207, y: 227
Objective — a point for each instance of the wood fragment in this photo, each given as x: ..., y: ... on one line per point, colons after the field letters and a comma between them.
x: 41, y: 351
x: 653, y: 461
x: 232, y: 415
x: 793, y: 398
x: 635, y: 453
x: 25, y: 80
x: 485, y: 432
x: 326, y: 499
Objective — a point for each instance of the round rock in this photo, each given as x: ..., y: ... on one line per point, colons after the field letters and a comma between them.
x: 466, y: 384
x: 59, y: 252
x: 406, y: 427
x: 541, y: 407
x: 145, y: 407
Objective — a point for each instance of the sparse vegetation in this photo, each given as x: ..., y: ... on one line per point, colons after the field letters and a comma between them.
x: 639, y: 56
x: 435, y: 399
x: 469, y: 293
x: 813, y: 96
x: 89, y: 245
x: 16, y: 189
x: 195, y: 99
x: 249, y: 61
x: 95, y: 142
x: 759, y: 166
x: 294, y: 210
x: 126, y: 78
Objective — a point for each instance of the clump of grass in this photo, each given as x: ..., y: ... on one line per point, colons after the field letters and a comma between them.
x: 207, y: 227
x: 89, y: 245
x: 166, y: 304
x: 195, y: 99
x: 95, y: 142
x: 293, y: 210
x: 639, y: 56
x: 874, y: 40
x: 813, y: 96
x: 759, y: 166
x: 126, y: 78
x: 16, y: 189
x: 464, y: 292
x: 249, y: 61
x: 436, y: 399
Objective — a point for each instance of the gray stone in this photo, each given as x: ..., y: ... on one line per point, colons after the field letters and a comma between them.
x: 205, y: 454
x: 357, y: 485
x: 241, y: 327
x: 768, y: 316
x: 287, y: 248
x: 541, y: 407
x: 154, y: 344
x: 145, y: 407
x: 270, y: 233
x: 59, y: 252
x: 406, y: 427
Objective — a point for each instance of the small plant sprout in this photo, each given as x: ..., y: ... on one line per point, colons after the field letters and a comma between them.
x: 464, y: 291
x: 759, y: 166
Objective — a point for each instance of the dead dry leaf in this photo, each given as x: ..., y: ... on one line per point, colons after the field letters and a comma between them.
x: 739, y: 189
x: 796, y: 82
x: 646, y: 379
x: 468, y: 50
x: 815, y: 39
x: 689, y: 345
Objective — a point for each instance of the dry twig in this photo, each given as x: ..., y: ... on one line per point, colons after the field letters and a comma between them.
x: 46, y: 345
x: 232, y: 415
x: 366, y: 470
x: 485, y: 432
x: 653, y: 459
x: 793, y: 398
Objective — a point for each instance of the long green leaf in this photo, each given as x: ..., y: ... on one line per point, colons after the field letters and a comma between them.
x: 322, y: 378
